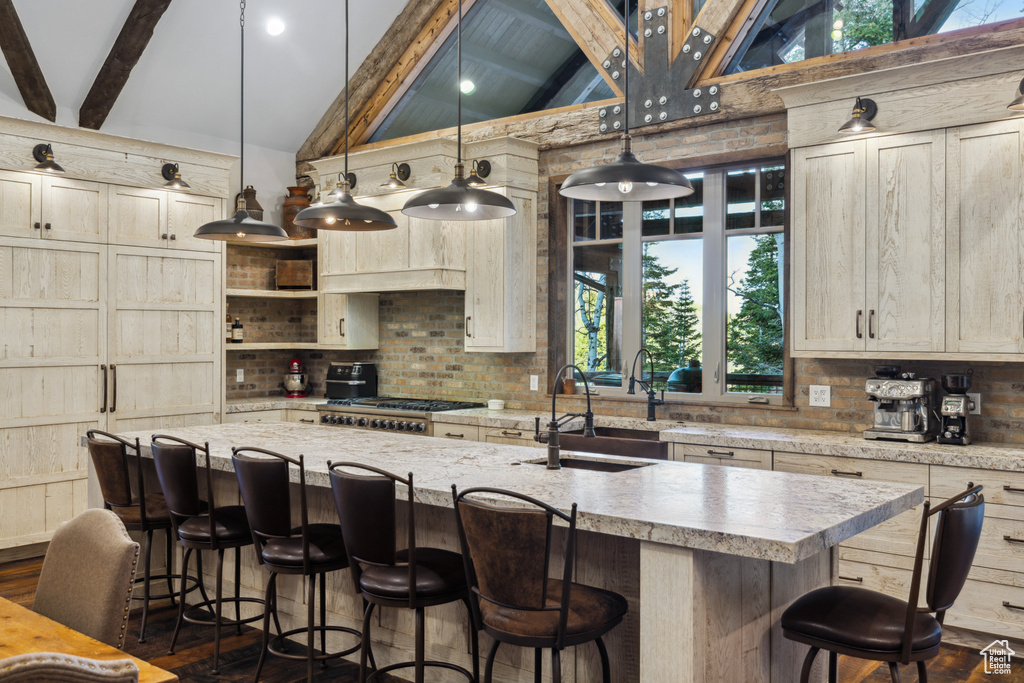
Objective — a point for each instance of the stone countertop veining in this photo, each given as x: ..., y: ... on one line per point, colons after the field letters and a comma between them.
x: 988, y: 456
x: 525, y: 421
x: 761, y: 514
x: 251, y: 405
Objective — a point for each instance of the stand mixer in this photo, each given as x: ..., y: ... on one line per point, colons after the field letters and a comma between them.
x: 904, y: 405
x: 956, y: 406
x: 296, y: 383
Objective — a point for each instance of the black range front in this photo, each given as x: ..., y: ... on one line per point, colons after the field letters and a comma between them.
x: 387, y: 414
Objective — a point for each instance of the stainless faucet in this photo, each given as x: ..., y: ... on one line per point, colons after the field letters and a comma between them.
x: 652, y: 399
x: 551, y: 436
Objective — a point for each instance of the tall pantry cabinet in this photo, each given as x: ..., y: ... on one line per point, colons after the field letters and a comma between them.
x: 111, y: 315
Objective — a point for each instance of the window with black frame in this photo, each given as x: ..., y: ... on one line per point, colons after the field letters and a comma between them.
x: 697, y: 281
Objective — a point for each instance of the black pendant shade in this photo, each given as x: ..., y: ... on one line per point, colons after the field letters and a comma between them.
x: 459, y: 202
x: 626, y: 179
x: 344, y: 213
x: 241, y: 228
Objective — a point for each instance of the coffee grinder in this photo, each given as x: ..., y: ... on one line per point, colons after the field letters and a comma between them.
x: 956, y: 406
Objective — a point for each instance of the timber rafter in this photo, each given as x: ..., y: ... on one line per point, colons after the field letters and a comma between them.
x: 24, y: 67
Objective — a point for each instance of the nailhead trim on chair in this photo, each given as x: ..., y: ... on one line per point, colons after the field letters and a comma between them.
x: 128, y: 598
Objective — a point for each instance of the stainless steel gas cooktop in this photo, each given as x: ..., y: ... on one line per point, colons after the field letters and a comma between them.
x: 388, y: 413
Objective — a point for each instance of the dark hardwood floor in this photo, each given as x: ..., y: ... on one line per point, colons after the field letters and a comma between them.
x: 193, y: 655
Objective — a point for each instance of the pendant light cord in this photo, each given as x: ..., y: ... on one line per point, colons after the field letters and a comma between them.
x: 625, y: 26
x: 241, y: 107
x: 458, y: 85
x: 347, y: 129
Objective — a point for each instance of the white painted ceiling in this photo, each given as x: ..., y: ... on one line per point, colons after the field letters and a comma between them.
x: 185, y: 88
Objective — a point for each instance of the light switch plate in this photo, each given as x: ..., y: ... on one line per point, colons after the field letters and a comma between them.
x: 534, y: 382
x: 821, y: 395
x: 976, y: 410
x: 239, y: 375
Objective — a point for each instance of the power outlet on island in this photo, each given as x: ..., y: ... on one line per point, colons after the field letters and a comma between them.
x: 821, y: 395
x: 239, y: 375
x: 534, y: 382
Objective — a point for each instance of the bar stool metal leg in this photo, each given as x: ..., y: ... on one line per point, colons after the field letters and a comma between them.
x: 538, y: 655
x: 238, y: 588
x: 148, y: 542
x: 270, y: 590
x: 606, y: 668
x: 217, y: 613
x: 490, y: 660
x: 833, y: 667
x: 556, y: 665
x: 894, y: 672
x: 181, y: 601
x: 922, y: 672
x: 170, y: 565
x: 805, y: 672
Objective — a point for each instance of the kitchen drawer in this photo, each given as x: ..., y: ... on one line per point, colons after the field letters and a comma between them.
x: 1001, y: 487
x: 882, y: 572
x: 749, y: 458
x: 996, y: 608
x: 897, y: 535
x: 303, y: 416
x: 995, y: 551
x: 446, y: 430
x: 510, y: 437
x: 256, y: 416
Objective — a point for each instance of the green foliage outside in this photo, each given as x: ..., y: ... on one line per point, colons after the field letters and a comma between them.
x: 754, y: 341
x: 671, y: 326
x: 589, y: 340
x: 865, y: 23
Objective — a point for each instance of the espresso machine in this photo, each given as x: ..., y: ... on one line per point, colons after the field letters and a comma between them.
x: 904, y: 405
x: 956, y: 406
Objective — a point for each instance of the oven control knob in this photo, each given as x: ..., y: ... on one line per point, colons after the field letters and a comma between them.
x: 401, y: 425
x: 392, y: 424
x: 350, y: 420
x: 420, y: 427
x: 333, y: 419
x: 375, y: 424
x: 362, y: 422
x: 324, y: 419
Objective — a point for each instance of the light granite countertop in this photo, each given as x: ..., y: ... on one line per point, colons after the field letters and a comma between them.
x: 761, y: 514
x: 251, y: 405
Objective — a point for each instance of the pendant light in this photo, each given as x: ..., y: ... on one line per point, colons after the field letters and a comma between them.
x: 863, y: 111
x: 43, y: 153
x: 241, y: 227
x: 626, y: 179
x: 459, y: 201
x: 342, y: 212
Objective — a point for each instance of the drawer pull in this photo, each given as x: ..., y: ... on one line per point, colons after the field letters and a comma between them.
x: 840, y: 473
x: 858, y: 579
x: 302, y: 420
x: 1009, y: 605
x: 723, y: 454
x: 1014, y: 489
x: 454, y: 436
x: 508, y: 433
x: 1011, y: 539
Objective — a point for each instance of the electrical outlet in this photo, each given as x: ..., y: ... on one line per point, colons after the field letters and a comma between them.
x: 821, y: 395
x: 534, y: 382
x: 976, y: 410
x: 239, y: 375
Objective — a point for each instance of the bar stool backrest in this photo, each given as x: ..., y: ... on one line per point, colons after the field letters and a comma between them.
x: 366, y: 509
x: 507, y: 550
x: 110, y: 460
x: 176, y: 467
x: 956, y: 541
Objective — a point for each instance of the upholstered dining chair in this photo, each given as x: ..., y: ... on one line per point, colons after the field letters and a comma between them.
x: 507, y: 551
x: 58, y: 667
x: 857, y: 622
x: 87, y: 576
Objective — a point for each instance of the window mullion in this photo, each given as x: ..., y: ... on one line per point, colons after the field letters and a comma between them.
x: 632, y: 213
x: 714, y: 285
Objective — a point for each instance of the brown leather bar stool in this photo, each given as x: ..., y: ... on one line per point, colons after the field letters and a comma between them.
x: 414, y: 578
x: 857, y: 622
x: 308, y: 550
x: 138, y: 510
x: 201, y: 525
x: 507, y: 551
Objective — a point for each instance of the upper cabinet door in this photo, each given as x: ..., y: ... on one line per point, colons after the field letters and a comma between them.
x: 985, y: 238
x: 828, y: 248
x: 906, y: 242
x: 138, y: 217
x: 74, y: 210
x: 187, y: 213
x: 19, y: 204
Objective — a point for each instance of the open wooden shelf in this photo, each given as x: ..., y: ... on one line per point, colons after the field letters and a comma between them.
x: 272, y: 346
x: 272, y: 293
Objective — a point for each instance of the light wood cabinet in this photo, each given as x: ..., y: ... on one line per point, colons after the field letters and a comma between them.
x: 749, y: 458
x: 869, y: 245
x: 985, y: 239
x: 185, y: 213
x: 20, y: 203
x: 348, y: 321
x: 509, y: 437
x: 501, y: 281
x: 50, y: 207
x: 447, y: 430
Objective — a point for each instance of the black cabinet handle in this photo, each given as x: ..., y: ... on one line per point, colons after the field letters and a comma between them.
x: 468, y: 332
x: 163, y: 236
x: 174, y: 237
x: 724, y: 454
x: 103, y: 369
x: 1009, y: 605
x: 860, y: 314
x: 47, y: 226
x: 840, y: 473
x: 37, y: 226
x: 507, y: 433
x: 858, y: 579
x: 1011, y: 539
x: 454, y: 436
x: 871, y: 326
x: 113, y: 400
x: 1007, y: 487
x: 309, y: 421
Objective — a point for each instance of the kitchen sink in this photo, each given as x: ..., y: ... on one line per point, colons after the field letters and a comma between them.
x: 592, y: 465
x: 636, y: 443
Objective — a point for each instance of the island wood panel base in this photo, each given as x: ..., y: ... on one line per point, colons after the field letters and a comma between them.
x: 708, y: 617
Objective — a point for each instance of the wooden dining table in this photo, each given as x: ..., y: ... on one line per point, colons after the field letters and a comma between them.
x: 22, y: 631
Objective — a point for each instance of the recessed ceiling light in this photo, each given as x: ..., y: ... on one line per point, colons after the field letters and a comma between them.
x: 467, y: 86
x: 275, y: 26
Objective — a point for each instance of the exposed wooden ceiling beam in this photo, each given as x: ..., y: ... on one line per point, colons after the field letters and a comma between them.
x: 124, y: 55
x: 22, y: 61
x: 726, y: 20
x: 597, y: 29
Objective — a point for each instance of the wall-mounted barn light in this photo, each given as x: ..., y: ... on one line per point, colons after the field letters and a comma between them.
x: 1018, y: 102
x: 863, y: 111
x: 44, y: 155
x: 399, y: 174
x: 172, y: 175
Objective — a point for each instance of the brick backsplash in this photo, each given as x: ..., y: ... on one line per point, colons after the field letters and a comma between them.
x: 421, y: 333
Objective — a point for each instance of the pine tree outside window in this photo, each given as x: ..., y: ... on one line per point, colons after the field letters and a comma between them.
x: 698, y: 281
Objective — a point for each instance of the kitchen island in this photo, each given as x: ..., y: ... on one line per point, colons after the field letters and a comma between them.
x: 708, y: 557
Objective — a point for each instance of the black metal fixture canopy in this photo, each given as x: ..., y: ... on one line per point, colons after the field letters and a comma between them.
x: 460, y: 201
x: 241, y: 227
x: 341, y: 211
x: 43, y: 153
x: 863, y: 111
x: 626, y: 179
x: 172, y: 175
x: 1018, y: 102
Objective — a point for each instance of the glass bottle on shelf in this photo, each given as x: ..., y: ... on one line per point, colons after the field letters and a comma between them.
x: 228, y: 324
x: 236, y: 332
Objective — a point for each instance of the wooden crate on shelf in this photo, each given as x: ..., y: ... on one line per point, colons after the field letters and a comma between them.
x: 294, y: 275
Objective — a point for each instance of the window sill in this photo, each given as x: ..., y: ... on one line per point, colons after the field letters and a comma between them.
x: 641, y: 402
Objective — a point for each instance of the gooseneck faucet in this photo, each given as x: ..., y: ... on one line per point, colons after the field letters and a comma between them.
x: 652, y: 399
x: 551, y: 436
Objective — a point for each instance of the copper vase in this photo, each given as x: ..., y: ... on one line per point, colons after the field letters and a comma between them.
x: 297, y: 200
